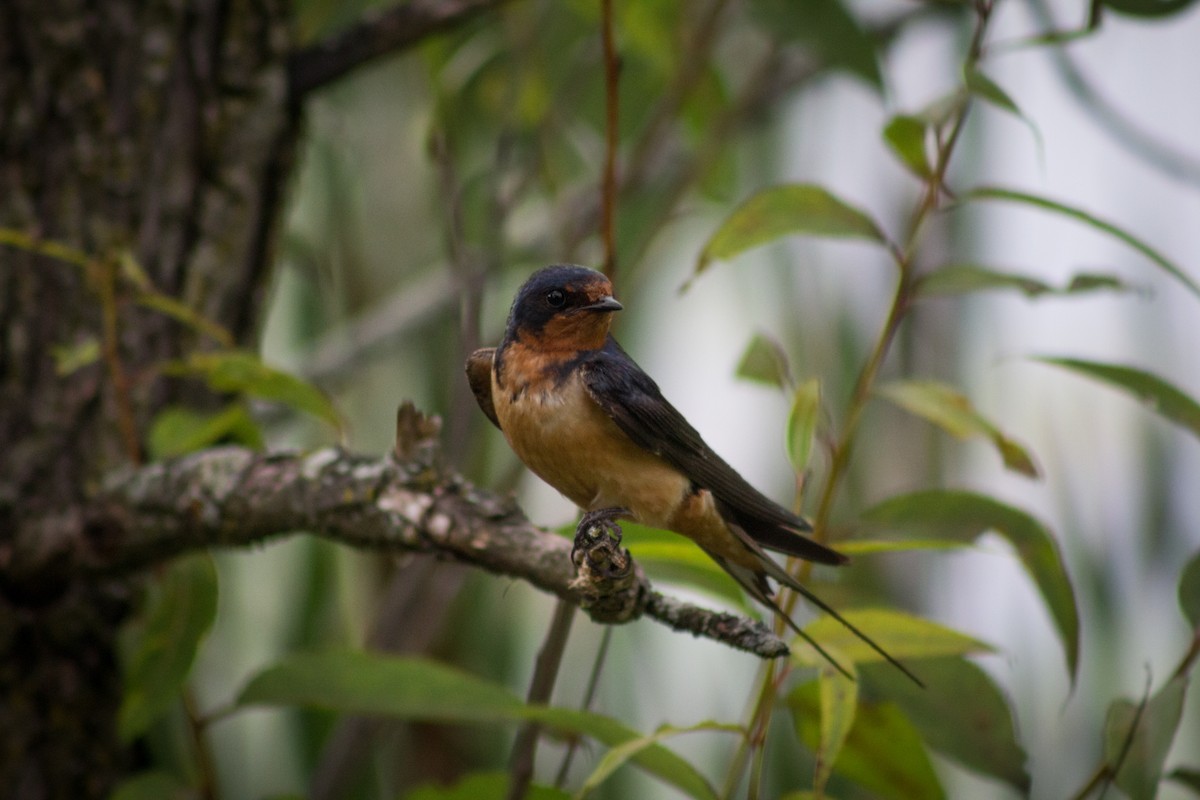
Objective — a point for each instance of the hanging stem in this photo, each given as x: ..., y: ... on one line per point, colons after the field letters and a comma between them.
x: 608, y: 203
x: 589, y: 695
x: 545, y: 673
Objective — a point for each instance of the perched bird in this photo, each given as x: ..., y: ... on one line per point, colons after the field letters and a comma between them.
x: 587, y: 420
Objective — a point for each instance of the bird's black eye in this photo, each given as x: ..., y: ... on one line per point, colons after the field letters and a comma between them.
x: 556, y: 298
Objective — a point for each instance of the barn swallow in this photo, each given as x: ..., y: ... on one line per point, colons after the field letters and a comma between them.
x: 585, y: 418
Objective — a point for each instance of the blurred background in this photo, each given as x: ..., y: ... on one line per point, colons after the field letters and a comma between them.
x: 433, y: 183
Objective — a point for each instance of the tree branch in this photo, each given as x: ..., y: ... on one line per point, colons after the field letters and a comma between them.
x: 377, y: 33
x: 408, y: 501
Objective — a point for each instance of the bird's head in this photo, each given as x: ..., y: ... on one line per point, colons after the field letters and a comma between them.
x: 563, y: 308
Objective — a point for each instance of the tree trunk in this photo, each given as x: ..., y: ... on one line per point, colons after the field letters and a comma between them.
x: 156, y: 133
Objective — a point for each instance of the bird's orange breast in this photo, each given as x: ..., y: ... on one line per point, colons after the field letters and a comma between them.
x: 558, y: 431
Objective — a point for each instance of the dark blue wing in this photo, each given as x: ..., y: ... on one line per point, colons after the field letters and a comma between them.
x: 633, y: 400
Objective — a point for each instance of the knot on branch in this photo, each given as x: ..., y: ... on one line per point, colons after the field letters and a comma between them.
x: 610, y: 585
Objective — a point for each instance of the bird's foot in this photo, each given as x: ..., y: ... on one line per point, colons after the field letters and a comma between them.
x: 597, y: 543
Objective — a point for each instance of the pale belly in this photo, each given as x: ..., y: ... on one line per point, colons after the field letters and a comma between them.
x: 571, y: 444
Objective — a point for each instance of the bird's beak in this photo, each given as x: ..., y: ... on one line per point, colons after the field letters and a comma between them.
x: 608, y: 303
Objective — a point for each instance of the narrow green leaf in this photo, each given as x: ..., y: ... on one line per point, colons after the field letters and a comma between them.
x: 984, y: 87
x: 1137, y: 738
x: 962, y: 715
x: 864, y: 547
x: 177, y: 430
x: 980, y: 85
x: 243, y: 372
x: 1094, y: 281
x: 802, y: 423
x: 51, y: 249
x: 957, y: 279
x: 950, y: 410
x: 483, y: 786
x: 70, y: 358
x: 1158, y: 395
x: 905, y: 135
x: 902, y: 635
x: 765, y: 361
x: 839, y: 702
x: 354, y: 682
x: 622, y: 753
x: 685, y: 564
x: 1186, y: 776
x: 1024, y: 198
x: 963, y: 517
x: 156, y: 785
x: 883, y: 751
x: 828, y: 29
x: 1148, y: 8
x: 177, y: 620
x: 1189, y: 590
x: 777, y: 211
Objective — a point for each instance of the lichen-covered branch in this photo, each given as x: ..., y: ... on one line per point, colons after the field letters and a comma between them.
x: 407, y: 501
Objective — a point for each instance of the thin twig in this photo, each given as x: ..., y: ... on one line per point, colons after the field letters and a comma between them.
x: 104, y: 273
x: 608, y: 204
x: 545, y: 673
x: 205, y: 765
x: 589, y: 696
x: 378, y: 33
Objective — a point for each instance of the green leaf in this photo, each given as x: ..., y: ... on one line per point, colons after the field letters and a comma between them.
x: 1186, y: 776
x: 802, y: 423
x: 1148, y: 8
x: 950, y: 410
x: 156, y: 785
x: 353, y: 682
x: 48, y: 248
x: 1137, y: 738
x: 483, y: 786
x: 1024, y: 198
x: 622, y: 753
x: 964, y: 516
x: 177, y: 430
x: 962, y: 715
x: 905, y: 135
x: 839, y: 702
x: 765, y: 361
x: 777, y: 211
x: 864, y: 547
x: 902, y: 635
x: 1189, y: 590
x: 71, y: 358
x: 176, y: 622
x: 827, y: 28
x: 1158, y: 395
x: 883, y: 751
x: 956, y: 279
x: 984, y: 87
x: 242, y: 372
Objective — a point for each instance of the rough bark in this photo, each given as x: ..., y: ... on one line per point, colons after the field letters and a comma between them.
x: 159, y: 133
